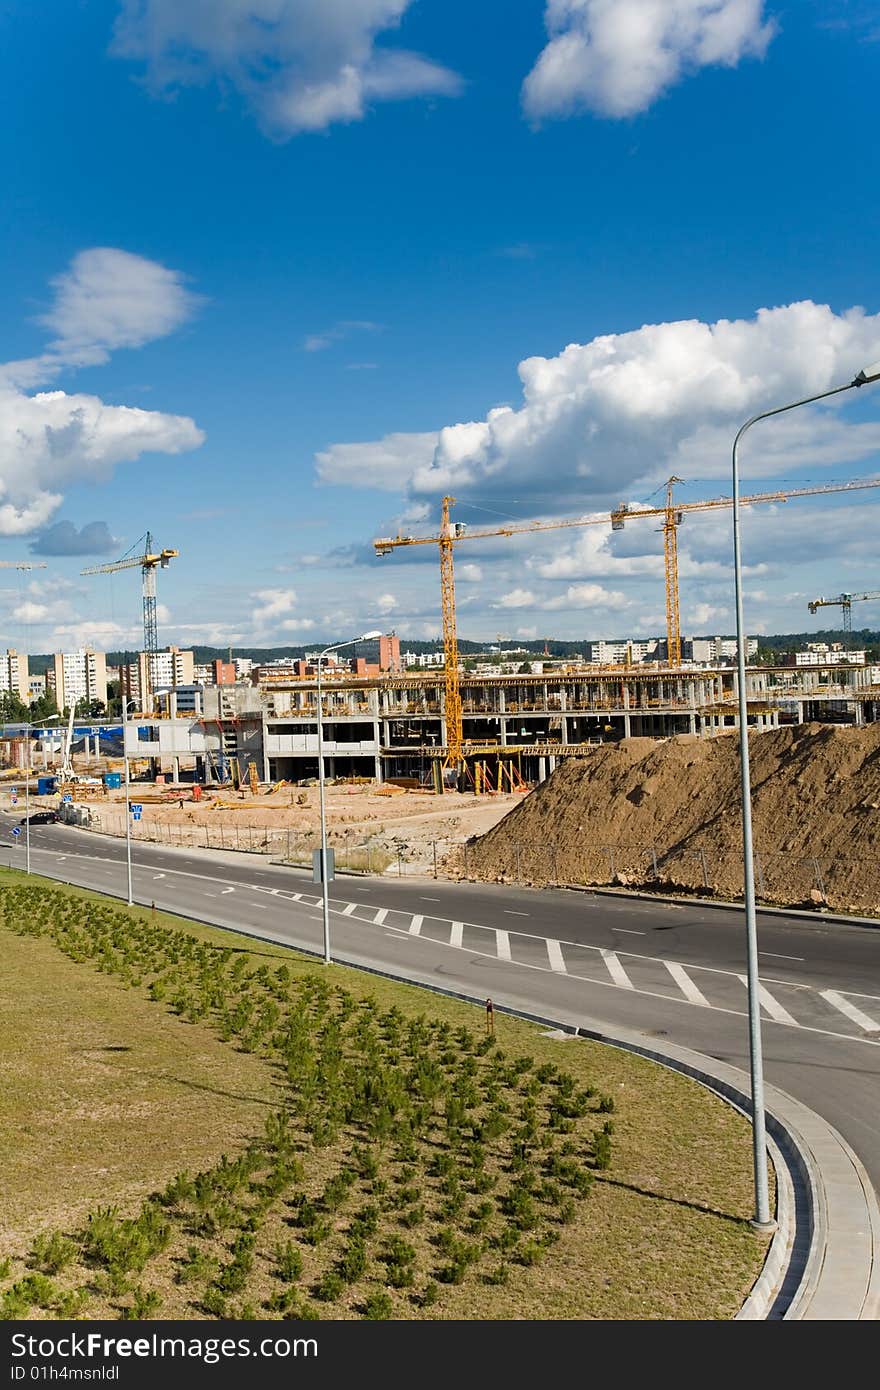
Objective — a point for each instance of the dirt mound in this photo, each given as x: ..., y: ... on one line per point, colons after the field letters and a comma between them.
x: 668, y: 813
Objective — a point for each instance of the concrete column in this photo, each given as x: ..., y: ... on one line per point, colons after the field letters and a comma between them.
x: 564, y: 729
x: 377, y: 768
x: 692, y: 722
x: 542, y: 769
x: 175, y: 767
x: 552, y: 761
x: 502, y: 732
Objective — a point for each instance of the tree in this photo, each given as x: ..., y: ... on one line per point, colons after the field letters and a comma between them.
x: 44, y: 707
x: 13, y: 710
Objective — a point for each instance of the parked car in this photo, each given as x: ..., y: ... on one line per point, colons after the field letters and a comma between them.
x: 40, y: 818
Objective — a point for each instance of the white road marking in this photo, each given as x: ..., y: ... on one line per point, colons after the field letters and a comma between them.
x: 512, y: 912
x: 381, y: 914
x: 777, y: 955
x: 502, y: 941
x: 837, y: 1001
x: 630, y: 931
x: 348, y: 909
x: 554, y: 955
x: 772, y: 1006
x: 415, y: 925
x: 428, y: 900
x: 457, y: 933
x: 156, y: 877
x: 615, y: 969
x: 226, y: 890
x: 686, y: 984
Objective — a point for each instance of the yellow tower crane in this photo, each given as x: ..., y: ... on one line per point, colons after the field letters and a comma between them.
x: 451, y: 532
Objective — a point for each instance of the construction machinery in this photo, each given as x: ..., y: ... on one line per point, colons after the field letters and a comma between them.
x: 845, y: 603
x: 672, y: 515
x: 148, y: 562
x: 20, y: 565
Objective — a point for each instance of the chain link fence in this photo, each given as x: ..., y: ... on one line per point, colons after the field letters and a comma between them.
x: 781, y: 878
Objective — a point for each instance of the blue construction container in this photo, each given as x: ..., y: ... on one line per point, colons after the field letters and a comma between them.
x: 112, y: 779
x: 47, y: 786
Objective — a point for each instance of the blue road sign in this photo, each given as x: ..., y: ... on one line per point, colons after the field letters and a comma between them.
x: 67, y: 796
x: 136, y: 814
x: 14, y: 791
x: 14, y: 799
x: 16, y: 830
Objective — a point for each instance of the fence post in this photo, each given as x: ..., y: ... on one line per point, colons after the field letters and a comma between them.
x: 820, y: 882
x: 703, y: 862
x: 207, y: 838
x: 610, y: 851
x: 654, y: 859
x: 516, y: 847
x: 467, y: 871
x: 555, y: 868
x: 759, y: 870
x: 399, y: 865
x: 434, y: 848
x: 288, y: 844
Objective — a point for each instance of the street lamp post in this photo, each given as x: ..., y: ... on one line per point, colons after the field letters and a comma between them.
x: 762, y: 1219
x: 125, y: 705
x: 325, y: 899
x: 27, y: 803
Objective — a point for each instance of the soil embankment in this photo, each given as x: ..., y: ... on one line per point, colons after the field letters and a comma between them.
x: 668, y: 814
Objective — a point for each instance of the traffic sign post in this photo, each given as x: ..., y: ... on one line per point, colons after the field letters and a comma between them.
x: 136, y: 810
x: 16, y: 830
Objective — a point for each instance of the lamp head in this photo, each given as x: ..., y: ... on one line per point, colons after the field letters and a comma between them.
x: 868, y: 374
x: 369, y: 636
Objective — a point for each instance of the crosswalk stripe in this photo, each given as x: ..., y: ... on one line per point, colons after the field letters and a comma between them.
x: 455, y: 938
x: 615, y: 969
x: 837, y: 1001
x: 415, y: 925
x: 554, y: 955
x: 771, y: 1005
x: 686, y: 984
x: 381, y: 914
x: 348, y: 909
x: 503, y: 944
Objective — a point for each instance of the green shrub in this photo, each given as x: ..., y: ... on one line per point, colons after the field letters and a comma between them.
x: 378, y: 1306
x: 329, y: 1287
x: 52, y: 1253
x: 288, y: 1259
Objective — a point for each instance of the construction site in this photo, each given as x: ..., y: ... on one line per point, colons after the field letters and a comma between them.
x: 418, y: 763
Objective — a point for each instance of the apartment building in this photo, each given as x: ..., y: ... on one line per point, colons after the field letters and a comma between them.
x: 14, y: 678
x: 76, y: 676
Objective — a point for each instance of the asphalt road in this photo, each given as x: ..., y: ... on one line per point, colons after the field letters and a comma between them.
x: 663, y: 970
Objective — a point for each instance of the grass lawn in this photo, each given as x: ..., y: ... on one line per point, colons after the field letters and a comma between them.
x: 193, y: 1125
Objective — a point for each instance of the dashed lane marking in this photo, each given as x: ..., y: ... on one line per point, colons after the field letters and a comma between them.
x: 512, y: 912
x: 156, y: 877
x: 861, y: 1020
x: 554, y: 955
x: 686, y: 984
x: 630, y: 931
x: 778, y: 956
x: 615, y: 969
x: 771, y: 1005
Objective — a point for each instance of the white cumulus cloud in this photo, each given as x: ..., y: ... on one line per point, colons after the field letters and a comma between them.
x: 616, y: 57
x: 107, y: 299
x: 301, y: 64
x: 614, y: 417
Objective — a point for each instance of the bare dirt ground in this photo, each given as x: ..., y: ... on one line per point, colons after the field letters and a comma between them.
x: 393, y: 821
x: 669, y: 814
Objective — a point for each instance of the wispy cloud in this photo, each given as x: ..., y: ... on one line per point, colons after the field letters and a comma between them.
x: 344, y: 328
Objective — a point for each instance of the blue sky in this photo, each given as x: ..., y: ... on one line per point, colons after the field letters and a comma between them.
x: 271, y: 277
